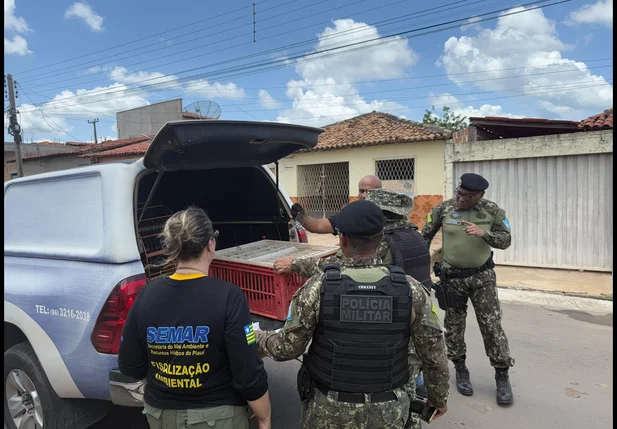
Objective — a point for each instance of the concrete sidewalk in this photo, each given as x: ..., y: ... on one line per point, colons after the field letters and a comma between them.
x: 560, y: 282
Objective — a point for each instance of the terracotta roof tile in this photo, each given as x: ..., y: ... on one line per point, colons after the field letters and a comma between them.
x: 377, y: 128
x: 132, y: 149
x: 190, y: 115
x: 601, y: 120
x: 77, y: 143
x: 90, y: 148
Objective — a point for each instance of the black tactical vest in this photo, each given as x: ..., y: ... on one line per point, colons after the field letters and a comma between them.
x: 411, y: 253
x: 362, y: 337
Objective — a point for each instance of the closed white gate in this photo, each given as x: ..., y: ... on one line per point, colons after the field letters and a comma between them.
x: 560, y: 209
x: 323, y: 189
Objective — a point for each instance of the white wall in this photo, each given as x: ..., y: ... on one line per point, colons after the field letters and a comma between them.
x: 525, y: 147
x: 429, y: 164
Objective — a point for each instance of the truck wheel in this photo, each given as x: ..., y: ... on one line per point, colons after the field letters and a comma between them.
x: 29, y: 400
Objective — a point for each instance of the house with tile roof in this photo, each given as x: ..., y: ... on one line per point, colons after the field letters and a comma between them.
x: 62, y: 156
x: 407, y: 156
x: 28, y: 149
x: 601, y: 121
x: 553, y: 178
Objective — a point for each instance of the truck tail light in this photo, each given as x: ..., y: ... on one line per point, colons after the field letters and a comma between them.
x: 108, y: 327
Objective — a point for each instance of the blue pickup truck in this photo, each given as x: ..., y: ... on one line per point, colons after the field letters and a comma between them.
x: 79, y: 246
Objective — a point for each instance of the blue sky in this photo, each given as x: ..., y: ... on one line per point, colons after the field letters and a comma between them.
x: 75, y: 61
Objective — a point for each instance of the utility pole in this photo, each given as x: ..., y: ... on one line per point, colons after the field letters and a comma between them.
x: 93, y: 122
x: 14, y: 128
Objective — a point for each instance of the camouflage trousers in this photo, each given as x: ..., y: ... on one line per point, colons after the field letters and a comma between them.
x: 481, y: 289
x: 414, y: 370
x: 327, y: 412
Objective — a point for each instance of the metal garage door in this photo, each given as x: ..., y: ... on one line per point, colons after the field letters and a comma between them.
x: 560, y: 209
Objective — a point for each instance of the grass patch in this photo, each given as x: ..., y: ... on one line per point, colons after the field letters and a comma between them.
x: 606, y: 296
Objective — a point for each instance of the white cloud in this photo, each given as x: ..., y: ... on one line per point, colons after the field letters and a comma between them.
x: 12, y: 22
x: 162, y: 81
x: 387, y: 60
x: 458, y: 108
x: 326, y: 92
x: 600, y: 12
x: 267, y: 101
x: 17, y: 46
x: 18, y: 25
x: 86, y: 13
x: 215, y: 90
x: 471, y: 24
x: 81, y: 104
x: 528, y: 42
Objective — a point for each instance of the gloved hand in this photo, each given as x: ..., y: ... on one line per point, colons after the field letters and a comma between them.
x: 297, y: 210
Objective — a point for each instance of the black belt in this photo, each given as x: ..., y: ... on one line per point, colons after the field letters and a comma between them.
x: 462, y: 273
x: 358, y: 398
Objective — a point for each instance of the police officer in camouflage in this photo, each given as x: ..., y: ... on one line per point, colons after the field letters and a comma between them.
x: 471, y: 226
x: 402, y: 245
x: 362, y: 319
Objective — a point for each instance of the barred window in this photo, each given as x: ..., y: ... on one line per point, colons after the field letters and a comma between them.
x: 397, y: 174
x: 323, y: 189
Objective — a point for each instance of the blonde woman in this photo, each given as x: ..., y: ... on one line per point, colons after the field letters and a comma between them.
x: 191, y: 338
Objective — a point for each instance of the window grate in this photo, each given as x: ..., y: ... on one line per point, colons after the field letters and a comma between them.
x: 323, y: 189
x: 397, y: 175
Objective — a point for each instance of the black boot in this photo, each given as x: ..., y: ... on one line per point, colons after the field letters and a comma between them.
x: 504, y: 390
x: 463, y: 383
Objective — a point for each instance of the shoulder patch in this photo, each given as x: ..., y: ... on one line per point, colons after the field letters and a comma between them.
x: 434, y: 310
x: 506, y: 223
x: 249, y: 332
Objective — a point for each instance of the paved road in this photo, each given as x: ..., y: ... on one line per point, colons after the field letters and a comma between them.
x: 562, y: 378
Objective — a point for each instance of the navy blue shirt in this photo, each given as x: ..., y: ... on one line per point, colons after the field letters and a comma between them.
x: 193, y: 340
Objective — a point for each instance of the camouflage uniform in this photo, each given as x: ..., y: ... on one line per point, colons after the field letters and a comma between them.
x: 396, y: 207
x: 326, y: 412
x: 480, y: 288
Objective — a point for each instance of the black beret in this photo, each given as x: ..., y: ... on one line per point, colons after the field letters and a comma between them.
x: 473, y: 182
x: 360, y: 219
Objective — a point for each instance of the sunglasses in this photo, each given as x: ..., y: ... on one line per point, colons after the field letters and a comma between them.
x: 459, y: 194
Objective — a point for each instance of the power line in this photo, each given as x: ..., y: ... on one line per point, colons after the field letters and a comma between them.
x: 560, y: 87
x: 43, y: 114
x: 531, y: 93
x: 390, y: 21
x: 383, y: 39
x: 252, y: 68
x: 71, y: 69
x: 424, y: 106
x: 141, y: 39
x: 420, y: 87
x: 526, y: 93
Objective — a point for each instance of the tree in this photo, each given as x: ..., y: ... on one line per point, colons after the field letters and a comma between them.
x: 447, y: 119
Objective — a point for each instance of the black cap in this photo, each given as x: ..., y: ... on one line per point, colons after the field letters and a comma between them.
x: 360, y: 219
x: 473, y: 182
